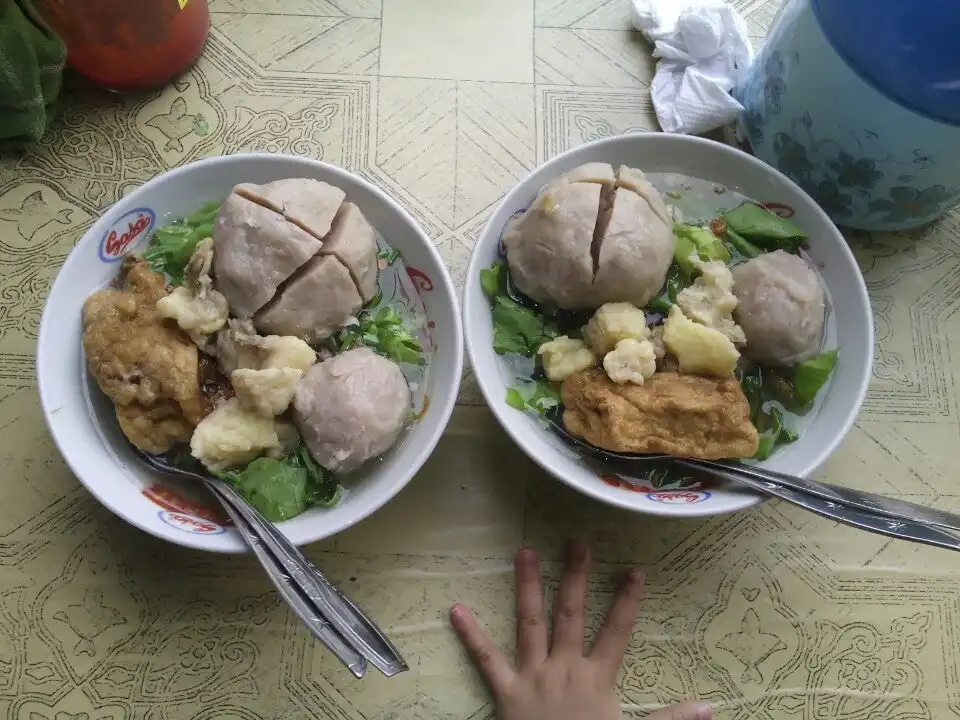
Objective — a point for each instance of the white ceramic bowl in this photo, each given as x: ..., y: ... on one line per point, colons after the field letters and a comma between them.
x: 851, y: 321
x: 81, y: 420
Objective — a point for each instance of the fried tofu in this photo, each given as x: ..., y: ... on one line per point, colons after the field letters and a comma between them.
x: 681, y: 415
x: 146, y: 365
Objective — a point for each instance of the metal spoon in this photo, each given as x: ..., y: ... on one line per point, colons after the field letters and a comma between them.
x: 331, y: 616
x: 867, y: 511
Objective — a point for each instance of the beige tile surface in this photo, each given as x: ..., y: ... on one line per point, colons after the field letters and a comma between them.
x: 771, y: 615
x: 294, y: 8
x: 458, y: 39
x: 601, y: 15
x: 587, y: 57
x: 331, y: 44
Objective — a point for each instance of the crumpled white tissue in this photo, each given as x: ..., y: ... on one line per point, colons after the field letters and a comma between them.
x: 704, y: 51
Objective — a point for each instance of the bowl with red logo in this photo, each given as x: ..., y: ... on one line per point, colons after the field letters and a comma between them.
x: 82, y: 420
x: 698, y: 180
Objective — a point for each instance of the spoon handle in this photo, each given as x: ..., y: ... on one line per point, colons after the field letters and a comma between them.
x: 904, y: 529
x: 346, y: 618
x: 298, y: 602
x: 862, y: 500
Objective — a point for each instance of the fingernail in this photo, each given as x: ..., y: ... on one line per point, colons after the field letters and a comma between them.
x: 527, y: 557
x: 634, y: 575
x: 577, y: 550
x: 457, y: 611
x: 704, y: 712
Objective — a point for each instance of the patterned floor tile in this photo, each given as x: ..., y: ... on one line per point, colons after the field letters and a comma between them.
x: 496, y: 143
x: 455, y: 39
x: 893, y: 459
x: 772, y: 614
x: 443, y: 494
x: 320, y: 8
x: 567, y: 118
x: 847, y: 550
x: 914, y: 308
x: 413, y: 597
x: 416, y: 142
x: 605, y: 15
x: 342, y: 45
x: 586, y: 57
x: 759, y: 15
x: 557, y: 513
x: 455, y: 251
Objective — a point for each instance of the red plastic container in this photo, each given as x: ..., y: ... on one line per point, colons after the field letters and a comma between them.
x: 129, y: 45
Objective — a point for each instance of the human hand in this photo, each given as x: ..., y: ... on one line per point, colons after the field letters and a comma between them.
x: 556, y: 679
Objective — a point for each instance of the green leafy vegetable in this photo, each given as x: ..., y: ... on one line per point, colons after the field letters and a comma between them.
x: 322, y: 489
x: 282, y: 489
x: 493, y: 280
x: 742, y: 245
x: 761, y: 391
x: 764, y: 228
x: 752, y: 385
x: 665, y: 299
x: 393, y: 338
x: 775, y: 435
x: 659, y: 304
x: 206, y: 214
x: 376, y: 299
x: 779, y: 388
x: 276, y: 488
x: 763, y: 388
x: 385, y: 332
x: 692, y: 239
x: 389, y: 256
x: 518, y: 329
x: 811, y: 375
x: 172, y: 246
x: 536, y: 395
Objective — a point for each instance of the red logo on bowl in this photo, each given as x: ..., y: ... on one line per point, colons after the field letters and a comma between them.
x: 619, y: 482
x: 420, y: 279
x: 125, y: 234
x: 190, y: 523
x: 169, y: 499
x: 678, y: 497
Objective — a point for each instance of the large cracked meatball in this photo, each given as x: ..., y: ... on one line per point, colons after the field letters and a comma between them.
x: 351, y: 408
x: 549, y: 246
x: 591, y: 237
x: 294, y: 256
x: 781, y: 308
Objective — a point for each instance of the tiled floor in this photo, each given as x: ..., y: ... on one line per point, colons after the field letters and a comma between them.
x: 458, y: 40
x: 446, y: 104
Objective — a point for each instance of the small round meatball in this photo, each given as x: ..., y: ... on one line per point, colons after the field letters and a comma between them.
x: 781, y: 308
x: 351, y: 408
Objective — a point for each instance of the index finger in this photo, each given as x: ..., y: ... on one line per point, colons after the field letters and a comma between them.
x: 492, y: 663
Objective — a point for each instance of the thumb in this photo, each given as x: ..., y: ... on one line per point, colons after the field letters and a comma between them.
x: 684, y: 711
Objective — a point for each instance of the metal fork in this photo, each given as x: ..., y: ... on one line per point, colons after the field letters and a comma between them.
x: 329, y: 614
x: 860, y: 509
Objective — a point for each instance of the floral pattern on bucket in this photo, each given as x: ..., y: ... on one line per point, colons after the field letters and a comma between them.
x: 868, y: 162
x: 837, y: 179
